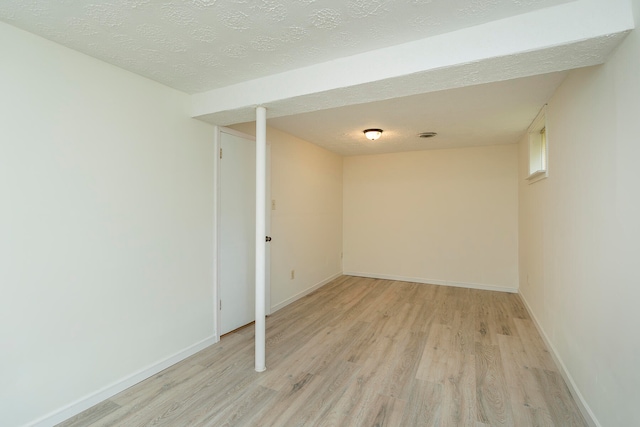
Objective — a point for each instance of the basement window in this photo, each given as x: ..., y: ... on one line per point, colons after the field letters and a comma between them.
x: 538, y: 149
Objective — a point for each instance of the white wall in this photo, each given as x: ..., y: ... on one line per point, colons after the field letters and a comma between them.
x: 439, y: 216
x: 579, y: 233
x: 306, y: 226
x: 105, y: 226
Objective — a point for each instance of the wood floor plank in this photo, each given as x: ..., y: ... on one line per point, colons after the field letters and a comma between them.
x: 385, y: 411
x: 371, y: 378
x: 97, y: 413
x: 398, y: 319
x: 503, y: 311
x: 424, y: 406
x: 288, y: 402
x: 363, y: 352
x: 424, y: 315
x: 140, y: 393
x: 282, y: 343
x: 489, y: 322
x: 562, y: 409
x: 445, y: 300
x: 436, y: 354
x: 336, y: 419
x: 405, y: 366
x: 203, y: 396
x: 245, y: 406
x: 334, y: 384
x: 362, y: 347
x: 300, y: 360
x: 150, y: 395
x: 539, y: 417
x: 336, y: 349
x: 524, y: 388
x: 493, y: 400
x: 462, y: 331
x: 517, y: 308
x: 539, y: 356
x: 207, y: 405
x: 459, y: 392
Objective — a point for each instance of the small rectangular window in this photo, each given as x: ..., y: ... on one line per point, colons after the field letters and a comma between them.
x: 538, y: 149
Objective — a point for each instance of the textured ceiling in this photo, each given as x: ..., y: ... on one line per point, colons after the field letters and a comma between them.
x: 198, y: 45
x: 487, y: 114
x: 475, y: 71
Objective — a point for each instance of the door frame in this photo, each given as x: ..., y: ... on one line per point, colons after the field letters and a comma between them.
x: 218, y: 131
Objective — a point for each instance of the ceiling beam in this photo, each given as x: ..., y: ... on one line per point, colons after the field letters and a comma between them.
x: 567, y: 36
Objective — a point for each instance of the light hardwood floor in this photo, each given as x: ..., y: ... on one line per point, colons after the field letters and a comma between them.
x: 364, y: 352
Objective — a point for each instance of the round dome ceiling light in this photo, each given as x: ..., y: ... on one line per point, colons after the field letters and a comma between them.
x: 372, y: 134
x: 427, y: 134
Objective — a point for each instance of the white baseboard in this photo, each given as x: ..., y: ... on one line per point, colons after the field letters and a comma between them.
x: 304, y: 293
x: 96, y: 397
x: 586, y: 411
x: 434, y: 282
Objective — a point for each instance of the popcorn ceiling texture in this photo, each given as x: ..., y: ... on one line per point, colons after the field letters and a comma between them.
x: 558, y: 58
x: 198, y: 45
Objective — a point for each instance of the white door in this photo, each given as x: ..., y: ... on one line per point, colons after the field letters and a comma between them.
x: 236, y: 230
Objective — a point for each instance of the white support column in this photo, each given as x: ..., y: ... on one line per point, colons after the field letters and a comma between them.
x: 261, y: 179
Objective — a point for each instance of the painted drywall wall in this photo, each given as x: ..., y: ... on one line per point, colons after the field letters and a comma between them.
x: 306, y: 224
x: 579, y: 233
x: 105, y: 227
x: 438, y: 216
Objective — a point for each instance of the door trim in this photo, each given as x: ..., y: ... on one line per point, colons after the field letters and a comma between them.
x: 218, y: 130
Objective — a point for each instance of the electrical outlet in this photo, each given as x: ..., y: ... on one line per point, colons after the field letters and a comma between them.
x: 293, y: 274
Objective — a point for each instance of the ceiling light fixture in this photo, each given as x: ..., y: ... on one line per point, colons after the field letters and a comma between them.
x: 427, y: 134
x: 372, y: 134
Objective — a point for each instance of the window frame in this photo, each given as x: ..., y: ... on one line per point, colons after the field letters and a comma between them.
x: 538, y: 148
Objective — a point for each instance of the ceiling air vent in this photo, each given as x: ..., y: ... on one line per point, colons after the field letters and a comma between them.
x: 427, y: 134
